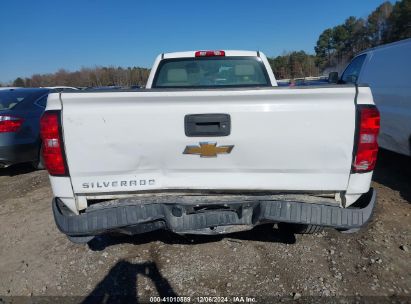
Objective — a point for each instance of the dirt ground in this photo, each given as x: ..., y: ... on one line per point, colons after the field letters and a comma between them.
x: 37, y: 260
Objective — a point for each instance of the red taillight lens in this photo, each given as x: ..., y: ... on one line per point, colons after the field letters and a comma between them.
x: 52, y: 144
x: 367, y: 145
x: 10, y: 123
x: 209, y: 53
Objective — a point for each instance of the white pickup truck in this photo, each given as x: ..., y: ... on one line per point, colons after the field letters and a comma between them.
x: 210, y: 146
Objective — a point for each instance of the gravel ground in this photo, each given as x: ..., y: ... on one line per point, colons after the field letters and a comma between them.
x: 37, y: 260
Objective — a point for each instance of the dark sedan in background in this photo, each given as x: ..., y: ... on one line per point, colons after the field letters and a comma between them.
x: 20, y: 112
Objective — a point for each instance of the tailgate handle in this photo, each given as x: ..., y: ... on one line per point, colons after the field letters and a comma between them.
x: 207, y: 125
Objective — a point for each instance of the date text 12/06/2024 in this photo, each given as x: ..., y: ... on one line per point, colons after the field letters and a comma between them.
x: 203, y: 299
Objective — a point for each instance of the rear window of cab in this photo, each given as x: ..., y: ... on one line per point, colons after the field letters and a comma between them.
x: 211, y: 72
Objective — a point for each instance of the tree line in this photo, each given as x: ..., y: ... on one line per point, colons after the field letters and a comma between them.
x: 387, y: 23
x: 294, y: 65
x: 335, y: 47
x: 88, y: 77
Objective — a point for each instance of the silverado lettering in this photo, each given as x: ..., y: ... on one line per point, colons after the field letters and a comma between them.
x: 128, y: 183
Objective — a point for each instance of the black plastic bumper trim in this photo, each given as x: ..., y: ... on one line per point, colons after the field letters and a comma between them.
x: 152, y: 216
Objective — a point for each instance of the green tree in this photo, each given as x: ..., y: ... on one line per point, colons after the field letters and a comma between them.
x: 399, y: 22
x: 18, y: 82
x: 377, y: 23
x: 325, y: 47
x: 340, y: 37
x: 337, y: 45
x: 294, y: 65
x: 356, y: 39
x: 360, y: 40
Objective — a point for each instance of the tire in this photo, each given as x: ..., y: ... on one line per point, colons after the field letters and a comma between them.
x: 39, y: 164
x: 300, y: 228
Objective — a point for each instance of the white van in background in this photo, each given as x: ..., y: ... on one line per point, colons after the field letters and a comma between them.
x: 387, y: 70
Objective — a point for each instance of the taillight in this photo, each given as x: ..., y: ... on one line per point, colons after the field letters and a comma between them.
x: 53, y: 155
x: 209, y: 53
x: 367, y: 145
x: 10, y: 123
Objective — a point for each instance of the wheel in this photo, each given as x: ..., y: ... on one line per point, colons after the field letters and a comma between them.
x: 301, y: 228
x: 39, y: 164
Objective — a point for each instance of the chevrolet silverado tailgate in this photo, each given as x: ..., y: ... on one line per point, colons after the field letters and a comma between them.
x: 282, y: 139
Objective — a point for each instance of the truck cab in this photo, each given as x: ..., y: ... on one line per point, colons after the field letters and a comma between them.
x: 197, y: 69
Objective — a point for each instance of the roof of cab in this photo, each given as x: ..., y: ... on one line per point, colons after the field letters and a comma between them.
x: 189, y: 54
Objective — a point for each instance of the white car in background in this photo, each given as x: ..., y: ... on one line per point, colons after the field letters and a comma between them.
x: 387, y: 70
